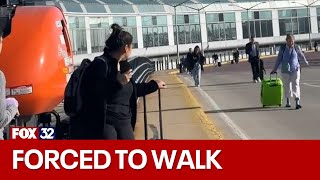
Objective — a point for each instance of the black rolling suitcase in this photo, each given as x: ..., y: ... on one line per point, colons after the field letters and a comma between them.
x: 156, y: 135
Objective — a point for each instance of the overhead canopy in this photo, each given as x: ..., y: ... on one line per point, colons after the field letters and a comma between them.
x: 164, y: 6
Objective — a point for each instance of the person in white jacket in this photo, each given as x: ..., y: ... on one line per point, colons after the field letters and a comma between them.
x: 8, y: 106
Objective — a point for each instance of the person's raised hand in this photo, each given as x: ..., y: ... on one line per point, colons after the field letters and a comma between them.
x: 161, y: 84
x: 125, y: 77
x: 12, y: 101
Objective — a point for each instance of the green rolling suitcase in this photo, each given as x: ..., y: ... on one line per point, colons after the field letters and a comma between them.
x: 272, y: 92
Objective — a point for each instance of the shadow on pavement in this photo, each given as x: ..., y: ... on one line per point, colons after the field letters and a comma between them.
x: 227, y: 84
x: 251, y: 109
x: 172, y: 84
x: 175, y: 109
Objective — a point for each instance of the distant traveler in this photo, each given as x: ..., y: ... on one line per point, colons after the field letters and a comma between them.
x: 236, y: 56
x: 196, y: 65
x: 188, y: 61
x: 215, y: 58
x: 288, y: 57
x: 252, y: 49
x: 9, y: 106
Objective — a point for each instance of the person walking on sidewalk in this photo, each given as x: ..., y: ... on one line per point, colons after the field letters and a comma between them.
x: 252, y: 49
x: 288, y: 57
x: 188, y: 61
x: 196, y: 65
x: 236, y: 56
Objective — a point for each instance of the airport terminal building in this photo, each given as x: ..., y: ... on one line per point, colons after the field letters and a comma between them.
x: 214, y: 25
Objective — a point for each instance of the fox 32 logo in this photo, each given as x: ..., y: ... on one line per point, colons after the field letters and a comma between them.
x: 47, y: 133
x: 42, y: 133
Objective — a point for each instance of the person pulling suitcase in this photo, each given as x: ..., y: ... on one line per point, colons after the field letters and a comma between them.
x: 288, y: 57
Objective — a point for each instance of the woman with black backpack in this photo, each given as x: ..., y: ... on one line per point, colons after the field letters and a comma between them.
x: 105, y: 93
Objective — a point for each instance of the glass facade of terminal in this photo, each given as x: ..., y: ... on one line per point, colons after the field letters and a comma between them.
x: 221, y: 26
x: 77, y: 32
x: 128, y: 24
x: 99, y: 32
x: 188, y: 29
x: 260, y: 23
x: 293, y: 21
x: 157, y: 29
x: 318, y: 18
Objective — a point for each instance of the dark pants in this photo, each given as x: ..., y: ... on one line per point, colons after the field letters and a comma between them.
x: 118, y: 129
x: 237, y: 60
x: 261, y: 75
x: 255, y: 69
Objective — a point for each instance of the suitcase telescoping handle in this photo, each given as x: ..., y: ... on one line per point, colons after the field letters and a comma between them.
x: 274, y: 73
x: 160, y: 115
x: 145, y: 118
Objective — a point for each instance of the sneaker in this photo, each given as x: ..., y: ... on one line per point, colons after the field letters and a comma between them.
x: 288, y: 105
x: 259, y: 80
x: 255, y: 81
x: 298, y: 107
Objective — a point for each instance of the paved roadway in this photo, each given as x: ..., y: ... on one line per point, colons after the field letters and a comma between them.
x: 231, y: 98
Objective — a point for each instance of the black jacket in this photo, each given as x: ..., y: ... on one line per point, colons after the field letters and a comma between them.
x: 140, y: 89
x: 249, y: 50
x: 197, y: 58
x: 98, y: 82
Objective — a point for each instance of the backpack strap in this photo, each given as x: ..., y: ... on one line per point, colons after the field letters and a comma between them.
x: 283, y: 48
x: 297, y: 49
x: 108, y: 70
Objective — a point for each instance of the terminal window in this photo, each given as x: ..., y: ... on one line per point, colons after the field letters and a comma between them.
x: 221, y: 26
x: 99, y: 32
x: 257, y: 24
x: 77, y: 31
x: 318, y: 17
x: 155, y: 31
x: 188, y: 29
x: 293, y: 21
x: 129, y: 24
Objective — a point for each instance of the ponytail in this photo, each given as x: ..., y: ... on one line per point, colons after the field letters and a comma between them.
x: 117, y: 39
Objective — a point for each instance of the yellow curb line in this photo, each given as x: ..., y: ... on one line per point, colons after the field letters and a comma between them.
x: 206, y: 123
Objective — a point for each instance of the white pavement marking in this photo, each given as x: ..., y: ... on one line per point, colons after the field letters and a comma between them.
x: 312, y: 80
x: 235, y: 128
x: 311, y: 85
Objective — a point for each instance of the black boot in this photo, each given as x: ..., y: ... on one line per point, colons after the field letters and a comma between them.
x: 288, y: 103
x: 298, y: 106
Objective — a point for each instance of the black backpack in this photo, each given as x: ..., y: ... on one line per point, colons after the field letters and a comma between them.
x: 72, y: 99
